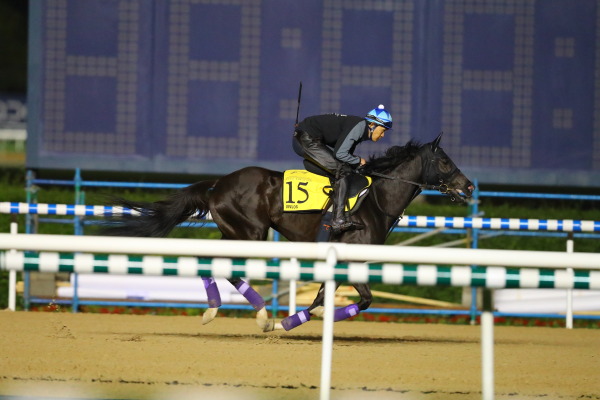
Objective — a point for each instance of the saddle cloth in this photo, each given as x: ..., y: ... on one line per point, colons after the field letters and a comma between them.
x: 304, y: 191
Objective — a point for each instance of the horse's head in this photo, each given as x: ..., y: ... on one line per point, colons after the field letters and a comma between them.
x: 441, y: 172
x: 424, y: 166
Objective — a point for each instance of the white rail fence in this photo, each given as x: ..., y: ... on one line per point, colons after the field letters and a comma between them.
x: 519, y: 224
x: 334, y: 261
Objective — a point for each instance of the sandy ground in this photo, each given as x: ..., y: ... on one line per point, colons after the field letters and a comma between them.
x: 154, y: 357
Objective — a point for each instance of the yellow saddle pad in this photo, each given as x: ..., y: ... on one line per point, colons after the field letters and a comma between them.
x: 304, y: 191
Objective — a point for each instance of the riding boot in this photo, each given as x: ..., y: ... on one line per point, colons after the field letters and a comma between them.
x: 340, y: 219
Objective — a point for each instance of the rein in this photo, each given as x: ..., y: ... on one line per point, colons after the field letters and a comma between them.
x: 379, y: 205
x: 395, y: 217
x: 442, y: 187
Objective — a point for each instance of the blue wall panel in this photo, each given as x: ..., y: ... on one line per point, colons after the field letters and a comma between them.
x: 290, y: 52
x: 94, y: 112
x: 204, y: 86
x: 94, y: 32
x: 564, y: 75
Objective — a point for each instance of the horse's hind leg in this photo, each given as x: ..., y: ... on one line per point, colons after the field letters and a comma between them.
x: 214, y: 300
x: 257, y: 302
x: 242, y: 206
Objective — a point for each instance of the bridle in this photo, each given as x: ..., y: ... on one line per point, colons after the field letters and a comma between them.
x: 429, y: 176
x: 442, y: 187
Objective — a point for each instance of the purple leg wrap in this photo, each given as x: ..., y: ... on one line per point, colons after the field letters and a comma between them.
x: 345, y: 312
x: 212, y: 292
x: 295, y: 320
x: 251, y: 295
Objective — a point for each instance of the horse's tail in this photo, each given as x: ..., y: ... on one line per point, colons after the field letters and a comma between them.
x: 159, y: 218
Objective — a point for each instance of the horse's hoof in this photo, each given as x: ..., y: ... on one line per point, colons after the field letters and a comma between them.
x: 262, y: 320
x: 209, y: 315
x: 318, y: 311
x: 271, y: 326
x: 268, y: 326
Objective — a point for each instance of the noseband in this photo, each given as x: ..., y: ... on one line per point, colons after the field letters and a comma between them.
x: 443, y: 179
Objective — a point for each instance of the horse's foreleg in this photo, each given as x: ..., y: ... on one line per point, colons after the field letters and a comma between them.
x: 214, y: 300
x: 351, y: 310
x: 316, y: 308
x: 366, y: 297
x: 257, y: 302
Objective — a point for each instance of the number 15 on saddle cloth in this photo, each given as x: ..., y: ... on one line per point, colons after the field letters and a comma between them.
x: 304, y: 191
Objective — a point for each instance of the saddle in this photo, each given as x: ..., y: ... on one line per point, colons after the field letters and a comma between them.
x: 306, y: 192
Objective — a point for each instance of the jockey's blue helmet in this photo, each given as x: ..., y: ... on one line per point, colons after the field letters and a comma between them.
x: 380, y: 116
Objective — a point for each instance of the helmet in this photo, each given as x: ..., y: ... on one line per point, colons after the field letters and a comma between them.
x: 380, y: 116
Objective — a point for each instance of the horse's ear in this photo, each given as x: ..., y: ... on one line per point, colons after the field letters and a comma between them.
x: 436, y: 143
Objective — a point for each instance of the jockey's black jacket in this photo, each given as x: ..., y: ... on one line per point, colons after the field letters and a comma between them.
x: 339, y: 132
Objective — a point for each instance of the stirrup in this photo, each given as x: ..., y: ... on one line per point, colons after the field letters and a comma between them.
x: 339, y: 226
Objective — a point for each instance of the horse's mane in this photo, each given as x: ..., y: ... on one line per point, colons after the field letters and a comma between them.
x: 392, y: 157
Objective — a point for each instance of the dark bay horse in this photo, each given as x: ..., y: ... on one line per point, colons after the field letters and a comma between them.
x: 247, y: 202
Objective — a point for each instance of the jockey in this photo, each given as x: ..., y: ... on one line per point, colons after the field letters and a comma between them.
x: 327, y: 143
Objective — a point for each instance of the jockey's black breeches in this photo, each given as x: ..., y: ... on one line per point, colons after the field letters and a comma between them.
x: 318, y: 158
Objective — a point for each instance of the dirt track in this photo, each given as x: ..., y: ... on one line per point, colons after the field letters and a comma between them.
x: 118, y: 356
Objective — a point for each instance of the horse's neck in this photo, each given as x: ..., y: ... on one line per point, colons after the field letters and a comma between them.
x: 395, y: 195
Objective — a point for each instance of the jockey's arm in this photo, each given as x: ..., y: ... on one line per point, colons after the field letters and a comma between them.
x: 343, y: 148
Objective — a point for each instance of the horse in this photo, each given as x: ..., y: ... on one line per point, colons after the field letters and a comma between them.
x: 246, y: 203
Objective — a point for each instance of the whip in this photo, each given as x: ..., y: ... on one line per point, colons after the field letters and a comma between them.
x: 298, y: 108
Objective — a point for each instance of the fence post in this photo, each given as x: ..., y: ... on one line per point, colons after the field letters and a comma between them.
x: 569, y: 314
x: 275, y: 287
x: 76, y: 219
x: 30, y: 195
x: 78, y: 231
x: 292, y: 296
x: 327, y: 349
x: 474, y: 245
x: 12, y: 276
x: 487, y: 347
